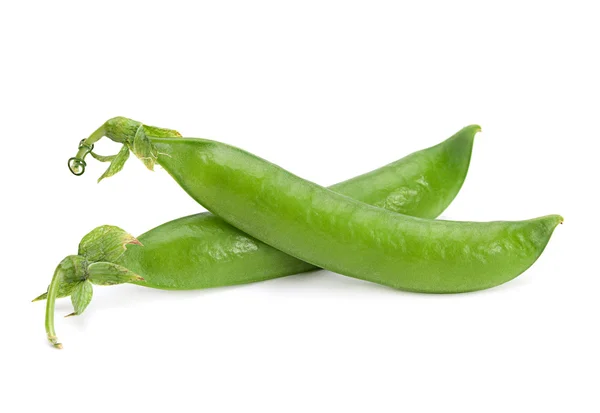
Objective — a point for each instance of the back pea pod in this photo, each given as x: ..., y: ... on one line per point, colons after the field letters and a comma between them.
x: 202, y: 251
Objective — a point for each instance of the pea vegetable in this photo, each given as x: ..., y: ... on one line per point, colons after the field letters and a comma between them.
x: 330, y: 230
x: 202, y: 251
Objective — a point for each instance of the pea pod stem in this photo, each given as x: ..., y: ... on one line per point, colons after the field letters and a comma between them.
x: 50, y: 304
x: 132, y: 134
x: 92, y: 139
x: 77, y: 163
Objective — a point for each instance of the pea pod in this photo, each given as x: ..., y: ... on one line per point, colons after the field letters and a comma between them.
x: 202, y: 250
x: 335, y: 232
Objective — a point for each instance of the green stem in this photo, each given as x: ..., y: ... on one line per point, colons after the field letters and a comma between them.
x: 77, y: 163
x: 50, y: 301
x: 92, y: 139
x: 124, y: 131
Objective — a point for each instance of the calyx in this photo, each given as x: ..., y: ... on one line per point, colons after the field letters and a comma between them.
x: 95, y: 263
x: 133, y: 135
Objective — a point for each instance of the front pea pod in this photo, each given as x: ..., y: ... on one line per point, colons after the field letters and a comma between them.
x: 133, y: 135
x: 95, y: 263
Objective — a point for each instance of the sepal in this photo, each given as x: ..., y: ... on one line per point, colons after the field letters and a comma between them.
x: 156, y: 132
x: 108, y: 273
x: 143, y: 148
x: 102, y: 158
x: 105, y: 243
x: 116, y: 163
x: 81, y: 297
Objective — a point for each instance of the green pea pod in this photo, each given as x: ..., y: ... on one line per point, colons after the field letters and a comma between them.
x: 346, y: 236
x: 202, y: 251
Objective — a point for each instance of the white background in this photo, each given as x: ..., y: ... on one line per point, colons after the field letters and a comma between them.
x: 327, y: 90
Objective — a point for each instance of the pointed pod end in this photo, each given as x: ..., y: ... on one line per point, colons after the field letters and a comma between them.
x: 471, y: 128
x: 553, y: 221
x: 474, y: 128
x: 58, y: 346
x: 71, y: 315
x: 467, y: 133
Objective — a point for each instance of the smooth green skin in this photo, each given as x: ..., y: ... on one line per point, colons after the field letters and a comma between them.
x: 202, y: 251
x: 343, y: 235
